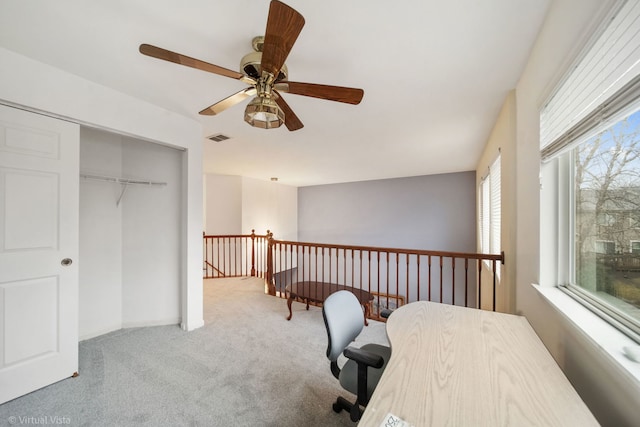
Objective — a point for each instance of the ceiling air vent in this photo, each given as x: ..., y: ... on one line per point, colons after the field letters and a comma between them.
x: 219, y: 137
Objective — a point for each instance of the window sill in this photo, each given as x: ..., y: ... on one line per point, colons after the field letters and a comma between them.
x: 605, y: 337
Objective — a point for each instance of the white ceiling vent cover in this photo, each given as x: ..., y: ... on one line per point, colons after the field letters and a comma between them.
x: 219, y: 137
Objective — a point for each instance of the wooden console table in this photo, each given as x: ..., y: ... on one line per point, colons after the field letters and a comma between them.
x: 466, y: 367
x: 317, y: 292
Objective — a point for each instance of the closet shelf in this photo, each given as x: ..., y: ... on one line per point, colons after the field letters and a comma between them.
x: 125, y: 182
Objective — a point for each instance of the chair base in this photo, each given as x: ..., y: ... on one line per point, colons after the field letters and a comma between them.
x: 355, y: 413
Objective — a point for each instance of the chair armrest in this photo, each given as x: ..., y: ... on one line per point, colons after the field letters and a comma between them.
x: 362, y: 356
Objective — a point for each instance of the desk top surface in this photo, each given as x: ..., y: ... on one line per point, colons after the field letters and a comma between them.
x: 457, y: 366
x: 321, y: 290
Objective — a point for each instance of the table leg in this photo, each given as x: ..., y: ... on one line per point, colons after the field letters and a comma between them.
x: 366, y: 314
x: 289, y: 301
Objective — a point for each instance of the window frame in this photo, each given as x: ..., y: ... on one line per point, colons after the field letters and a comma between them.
x: 601, y: 88
x: 565, y: 214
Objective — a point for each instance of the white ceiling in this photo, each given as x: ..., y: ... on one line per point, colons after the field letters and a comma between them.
x: 434, y: 73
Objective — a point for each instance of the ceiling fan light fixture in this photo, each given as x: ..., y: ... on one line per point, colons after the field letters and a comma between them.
x: 263, y: 113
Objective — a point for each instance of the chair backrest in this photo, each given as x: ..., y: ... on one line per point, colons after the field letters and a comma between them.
x: 284, y: 278
x: 344, y: 320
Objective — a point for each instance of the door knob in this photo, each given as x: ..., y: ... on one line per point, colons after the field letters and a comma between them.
x: 66, y: 262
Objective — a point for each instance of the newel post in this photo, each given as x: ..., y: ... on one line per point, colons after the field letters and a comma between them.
x: 270, y: 249
x: 253, y: 253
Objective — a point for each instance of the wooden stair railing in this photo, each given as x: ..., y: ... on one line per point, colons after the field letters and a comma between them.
x: 235, y: 255
x: 394, y: 276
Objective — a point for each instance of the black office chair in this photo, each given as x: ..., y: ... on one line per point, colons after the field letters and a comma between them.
x: 344, y: 320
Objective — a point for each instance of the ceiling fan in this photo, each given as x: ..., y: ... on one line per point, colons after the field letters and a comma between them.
x: 266, y: 72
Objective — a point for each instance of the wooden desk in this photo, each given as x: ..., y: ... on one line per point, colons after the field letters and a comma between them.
x: 457, y: 366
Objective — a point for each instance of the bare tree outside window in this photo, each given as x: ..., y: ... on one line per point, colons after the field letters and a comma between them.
x: 607, y: 213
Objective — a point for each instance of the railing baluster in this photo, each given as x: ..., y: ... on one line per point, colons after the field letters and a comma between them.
x: 493, y: 265
x: 360, y: 259
x: 441, y: 278
x: 479, y: 291
x: 378, y: 280
x: 369, y: 270
x: 407, y: 290
x: 466, y: 281
x: 220, y: 267
x: 388, y: 287
x: 344, y: 267
x: 429, y: 278
x: 417, y: 277
x: 453, y: 281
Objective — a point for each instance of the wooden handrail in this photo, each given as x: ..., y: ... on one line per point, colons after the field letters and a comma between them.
x: 446, y: 254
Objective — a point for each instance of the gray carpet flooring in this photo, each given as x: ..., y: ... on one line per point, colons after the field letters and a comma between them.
x: 248, y: 366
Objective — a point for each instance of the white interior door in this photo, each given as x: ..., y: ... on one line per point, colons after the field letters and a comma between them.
x: 39, y: 173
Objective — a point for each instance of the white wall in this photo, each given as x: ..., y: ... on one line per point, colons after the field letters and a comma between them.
x: 39, y: 87
x: 237, y: 205
x: 100, y: 266
x: 122, y: 282
x: 502, y: 142
x: 610, y: 394
x: 151, y: 246
x: 268, y: 205
x: 223, y: 205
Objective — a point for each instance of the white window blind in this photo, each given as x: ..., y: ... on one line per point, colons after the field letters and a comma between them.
x: 496, y: 207
x: 611, y: 62
x: 484, y: 215
x: 490, y: 210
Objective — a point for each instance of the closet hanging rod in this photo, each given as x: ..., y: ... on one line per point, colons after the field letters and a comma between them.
x: 117, y: 180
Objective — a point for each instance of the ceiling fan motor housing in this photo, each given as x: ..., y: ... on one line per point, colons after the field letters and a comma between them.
x: 250, y: 63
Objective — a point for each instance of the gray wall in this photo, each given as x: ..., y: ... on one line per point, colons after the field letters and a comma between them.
x: 434, y: 212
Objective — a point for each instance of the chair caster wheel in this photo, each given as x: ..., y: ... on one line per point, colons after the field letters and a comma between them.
x: 355, y: 413
x: 337, y: 408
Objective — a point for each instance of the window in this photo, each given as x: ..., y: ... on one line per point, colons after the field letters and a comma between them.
x: 490, y: 210
x: 606, y: 176
x: 590, y: 149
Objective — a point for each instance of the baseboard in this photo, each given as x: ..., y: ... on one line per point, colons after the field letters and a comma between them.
x: 100, y: 332
x: 193, y: 325
x: 142, y: 324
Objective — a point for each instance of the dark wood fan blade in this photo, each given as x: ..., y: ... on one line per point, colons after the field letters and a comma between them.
x: 347, y: 95
x: 167, y: 55
x: 283, y: 27
x: 230, y: 101
x: 291, y: 121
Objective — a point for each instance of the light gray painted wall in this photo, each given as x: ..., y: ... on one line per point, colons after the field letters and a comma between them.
x: 434, y: 212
